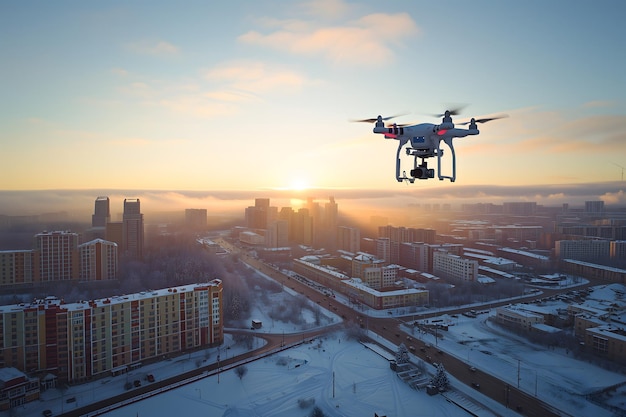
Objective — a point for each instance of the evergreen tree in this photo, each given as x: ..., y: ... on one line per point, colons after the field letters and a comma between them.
x: 440, y: 380
x: 402, y: 355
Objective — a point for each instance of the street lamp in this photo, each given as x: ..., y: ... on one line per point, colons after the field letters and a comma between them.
x: 218, y: 364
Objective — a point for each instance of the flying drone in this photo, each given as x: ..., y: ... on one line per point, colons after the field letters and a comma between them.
x: 424, y: 141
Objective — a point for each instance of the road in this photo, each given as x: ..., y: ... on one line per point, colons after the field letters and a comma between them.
x: 388, y: 328
x: 275, y: 343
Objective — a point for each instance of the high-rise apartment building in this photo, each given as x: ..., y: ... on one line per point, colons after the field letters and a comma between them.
x: 102, y: 213
x: 414, y: 256
x: 303, y: 227
x: 261, y: 214
x: 132, y: 221
x: 196, y: 219
x: 98, y: 260
x: 99, y: 220
x: 79, y: 341
x: 383, y: 249
x: 58, y: 255
x: 348, y: 239
x: 277, y: 234
x: 594, y: 207
x: 18, y: 267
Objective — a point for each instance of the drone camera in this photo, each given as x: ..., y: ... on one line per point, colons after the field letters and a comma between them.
x: 422, y: 173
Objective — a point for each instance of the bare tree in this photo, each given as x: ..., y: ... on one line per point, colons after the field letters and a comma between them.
x: 241, y: 371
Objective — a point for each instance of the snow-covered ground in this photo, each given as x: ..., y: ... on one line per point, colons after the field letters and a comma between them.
x: 342, y: 378
x: 345, y: 378
x: 552, y: 375
x: 364, y: 383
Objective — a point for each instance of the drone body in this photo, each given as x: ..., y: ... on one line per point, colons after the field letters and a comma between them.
x: 424, y: 141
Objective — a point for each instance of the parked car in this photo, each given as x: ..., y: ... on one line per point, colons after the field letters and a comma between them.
x: 137, y: 383
x: 47, y: 413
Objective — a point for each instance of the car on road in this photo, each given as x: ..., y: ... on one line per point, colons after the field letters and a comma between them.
x: 476, y: 385
x: 47, y: 413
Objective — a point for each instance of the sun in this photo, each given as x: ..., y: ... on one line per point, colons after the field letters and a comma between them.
x: 298, y: 184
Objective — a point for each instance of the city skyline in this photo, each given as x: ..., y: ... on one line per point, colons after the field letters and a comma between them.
x: 78, y: 204
x: 248, y: 96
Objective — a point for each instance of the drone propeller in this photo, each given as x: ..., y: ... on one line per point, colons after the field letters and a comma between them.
x: 374, y: 120
x: 485, y: 120
x: 451, y: 112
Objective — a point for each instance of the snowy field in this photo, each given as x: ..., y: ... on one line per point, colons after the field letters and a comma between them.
x: 340, y: 377
x: 345, y: 378
x: 551, y: 375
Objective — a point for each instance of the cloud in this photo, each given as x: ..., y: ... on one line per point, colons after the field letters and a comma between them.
x: 193, y: 98
x: 256, y: 77
x: 230, y: 96
x: 598, y: 103
x: 593, y: 134
x: 196, y: 105
x: 129, y: 142
x: 551, y: 134
x: 153, y: 48
x: 217, y: 91
x: 368, y: 40
x: 119, y: 71
x: 618, y: 197
x: 326, y: 9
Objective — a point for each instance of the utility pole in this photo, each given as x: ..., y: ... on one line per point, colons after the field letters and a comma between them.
x: 619, y: 166
x: 218, y: 364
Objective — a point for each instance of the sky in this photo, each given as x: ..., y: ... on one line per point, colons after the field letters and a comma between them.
x: 248, y: 95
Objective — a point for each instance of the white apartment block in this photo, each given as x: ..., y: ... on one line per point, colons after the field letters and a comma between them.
x: 453, y: 266
x: 582, y: 250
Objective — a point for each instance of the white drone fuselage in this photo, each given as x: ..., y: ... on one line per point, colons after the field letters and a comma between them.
x: 424, y: 141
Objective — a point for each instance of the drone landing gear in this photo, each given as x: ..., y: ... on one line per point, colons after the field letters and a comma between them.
x: 405, y: 178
